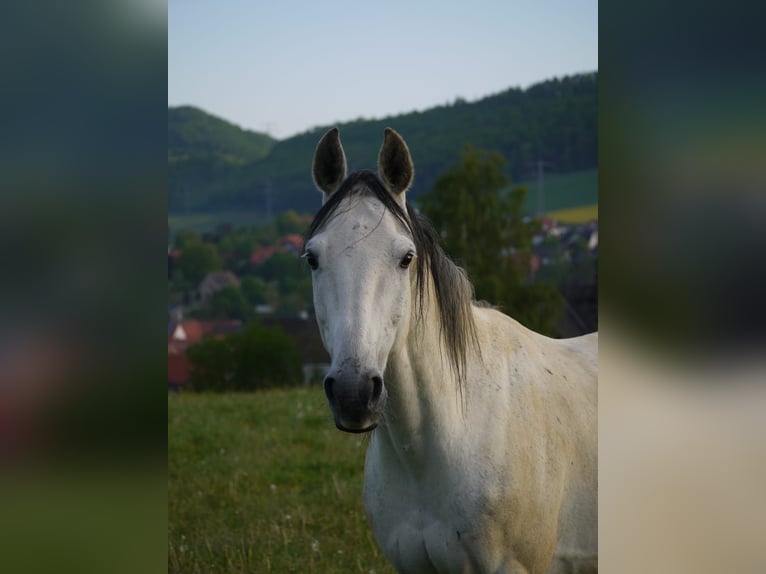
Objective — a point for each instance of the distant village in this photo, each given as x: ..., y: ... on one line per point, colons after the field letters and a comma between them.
x: 222, y: 279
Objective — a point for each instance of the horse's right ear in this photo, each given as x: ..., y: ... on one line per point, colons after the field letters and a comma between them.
x: 329, y: 169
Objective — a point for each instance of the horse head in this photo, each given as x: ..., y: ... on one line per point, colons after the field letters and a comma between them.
x: 360, y: 249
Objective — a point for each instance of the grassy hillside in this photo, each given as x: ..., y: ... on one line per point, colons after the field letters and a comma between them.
x: 563, y: 191
x: 265, y: 483
x: 195, y: 135
x: 575, y: 214
x: 555, y: 121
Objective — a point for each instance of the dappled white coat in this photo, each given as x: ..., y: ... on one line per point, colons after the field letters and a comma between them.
x: 498, y: 474
x: 496, y: 484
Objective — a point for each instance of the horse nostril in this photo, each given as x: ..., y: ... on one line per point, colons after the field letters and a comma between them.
x: 328, y: 383
x: 377, y: 389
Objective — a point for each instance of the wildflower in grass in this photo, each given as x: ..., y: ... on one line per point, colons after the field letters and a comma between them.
x: 315, y: 546
x: 273, y: 487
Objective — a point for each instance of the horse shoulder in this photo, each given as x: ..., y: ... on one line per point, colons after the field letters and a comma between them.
x: 550, y: 390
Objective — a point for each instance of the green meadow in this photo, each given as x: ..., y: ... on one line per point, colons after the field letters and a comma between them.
x: 263, y: 482
x: 563, y: 191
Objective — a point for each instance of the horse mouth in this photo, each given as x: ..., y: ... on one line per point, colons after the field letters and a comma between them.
x: 357, y: 402
x: 343, y: 428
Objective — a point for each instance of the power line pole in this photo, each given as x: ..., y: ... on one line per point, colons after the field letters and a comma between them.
x: 268, y: 200
x: 540, y: 187
x: 541, y: 165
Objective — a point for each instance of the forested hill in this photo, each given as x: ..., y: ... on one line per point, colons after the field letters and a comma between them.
x: 554, y: 121
x: 194, y: 135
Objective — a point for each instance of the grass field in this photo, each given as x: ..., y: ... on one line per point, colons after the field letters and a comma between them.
x: 575, y: 214
x: 564, y: 191
x: 263, y: 482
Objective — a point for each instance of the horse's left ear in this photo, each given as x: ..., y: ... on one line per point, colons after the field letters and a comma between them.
x: 394, y: 163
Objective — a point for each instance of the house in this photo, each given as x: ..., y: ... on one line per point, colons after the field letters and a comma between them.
x: 178, y: 371
x: 214, y: 282
x: 292, y: 243
x: 260, y: 256
x: 192, y: 331
x: 185, y: 334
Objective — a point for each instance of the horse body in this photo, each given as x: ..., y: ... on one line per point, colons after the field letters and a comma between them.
x: 491, y: 482
x: 483, y: 456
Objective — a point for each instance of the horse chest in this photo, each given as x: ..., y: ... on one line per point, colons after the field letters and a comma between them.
x: 415, y: 539
x: 421, y: 525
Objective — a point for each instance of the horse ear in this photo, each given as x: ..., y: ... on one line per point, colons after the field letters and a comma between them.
x: 394, y: 163
x: 329, y: 168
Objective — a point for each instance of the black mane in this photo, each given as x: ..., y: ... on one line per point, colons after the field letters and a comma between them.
x: 454, y: 293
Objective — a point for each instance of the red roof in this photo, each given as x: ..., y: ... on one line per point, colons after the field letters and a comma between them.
x: 196, y: 330
x: 293, y: 241
x: 220, y: 328
x: 262, y: 254
x: 547, y: 223
x: 193, y: 330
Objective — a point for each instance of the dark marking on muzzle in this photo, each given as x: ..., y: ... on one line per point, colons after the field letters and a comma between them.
x: 357, y: 401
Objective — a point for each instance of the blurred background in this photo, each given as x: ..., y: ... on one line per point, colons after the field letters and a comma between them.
x: 111, y: 220
x: 498, y: 105
x: 499, y: 108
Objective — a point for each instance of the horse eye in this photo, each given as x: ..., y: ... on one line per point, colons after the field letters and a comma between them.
x: 406, y: 260
x: 311, y: 259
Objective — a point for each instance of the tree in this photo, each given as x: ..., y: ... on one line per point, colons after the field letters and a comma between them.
x: 254, y: 289
x: 212, y: 364
x: 197, y: 260
x: 283, y: 267
x: 230, y: 303
x: 482, y: 229
x: 237, y: 245
x: 267, y: 357
x: 255, y: 358
x: 186, y: 237
x: 290, y: 222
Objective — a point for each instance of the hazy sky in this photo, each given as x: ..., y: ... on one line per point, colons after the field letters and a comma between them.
x: 290, y: 65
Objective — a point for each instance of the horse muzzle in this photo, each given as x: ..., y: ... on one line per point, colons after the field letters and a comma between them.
x: 357, y: 401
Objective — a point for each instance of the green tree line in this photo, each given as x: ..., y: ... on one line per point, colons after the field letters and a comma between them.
x: 554, y: 121
x: 256, y: 358
x: 483, y: 230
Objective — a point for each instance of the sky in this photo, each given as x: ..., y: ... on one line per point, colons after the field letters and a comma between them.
x: 284, y: 67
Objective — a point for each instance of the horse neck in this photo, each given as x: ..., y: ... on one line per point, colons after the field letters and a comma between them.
x: 424, y: 398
